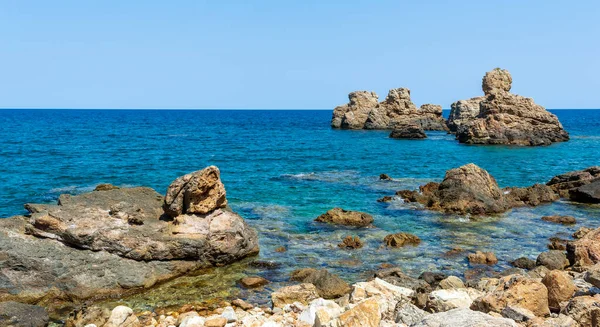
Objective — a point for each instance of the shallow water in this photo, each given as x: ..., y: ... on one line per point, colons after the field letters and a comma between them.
x: 281, y: 170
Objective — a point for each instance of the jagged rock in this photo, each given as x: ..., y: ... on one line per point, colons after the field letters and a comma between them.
x: 589, y: 193
x: 506, y: 118
x: 567, y: 182
x: 523, y: 263
x: 529, y: 196
x: 401, y: 239
x: 385, y: 177
x: 552, y: 260
x: 565, y: 220
x: 340, y: 216
x: 200, y: 192
x: 444, y: 300
x: 387, y: 295
x: 515, y: 290
x: 581, y: 232
x: 351, y: 242
x: 364, y: 112
x: 396, y: 277
x: 462, y: 112
x: 366, y: 313
x: 586, y: 250
x: 329, y: 286
x: 432, y: 278
x: 22, y: 315
x: 302, y: 293
x: 408, y: 131
x: 538, y: 272
x: 354, y: 114
x: 486, y: 258
x: 408, y: 314
x: 560, y: 288
x: 585, y: 310
x: 465, y: 318
x: 517, y: 313
x: 319, y: 312
x: 592, y: 275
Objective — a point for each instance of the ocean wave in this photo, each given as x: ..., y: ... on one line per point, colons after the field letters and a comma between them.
x: 324, y: 176
x: 72, y: 189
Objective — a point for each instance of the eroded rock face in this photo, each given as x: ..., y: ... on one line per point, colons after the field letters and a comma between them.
x: 117, y: 240
x: 199, y: 192
x: 340, y: 216
x: 586, y: 250
x: 462, y: 112
x: 506, y: 118
x: 560, y: 288
x: 408, y: 131
x: 302, y: 293
x: 399, y: 240
x: 571, y: 181
x: 364, y: 112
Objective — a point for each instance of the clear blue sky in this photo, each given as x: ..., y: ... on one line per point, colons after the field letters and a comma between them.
x: 292, y: 54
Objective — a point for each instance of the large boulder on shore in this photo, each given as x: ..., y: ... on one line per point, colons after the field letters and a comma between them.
x: 107, y: 242
x: 506, y: 118
x: 364, y: 112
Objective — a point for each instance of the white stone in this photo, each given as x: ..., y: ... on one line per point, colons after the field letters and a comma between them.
x: 229, y: 314
x: 118, y: 316
x: 321, y: 306
x: 192, y: 321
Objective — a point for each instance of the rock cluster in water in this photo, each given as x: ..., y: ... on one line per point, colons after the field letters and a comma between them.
x: 498, y: 117
x: 116, y: 240
x: 363, y: 111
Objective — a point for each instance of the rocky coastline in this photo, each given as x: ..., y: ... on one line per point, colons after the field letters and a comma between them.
x: 497, y: 117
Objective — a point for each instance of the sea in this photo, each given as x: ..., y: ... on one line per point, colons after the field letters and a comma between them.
x: 283, y: 168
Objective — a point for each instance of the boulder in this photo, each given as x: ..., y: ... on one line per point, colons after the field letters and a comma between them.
x: 407, y: 313
x: 506, y: 118
x: 340, y: 216
x: 523, y: 263
x: 451, y: 282
x: 408, y: 131
x: 401, y: 239
x: 395, y: 276
x: 200, y: 192
x: 351, y: 242
x: 448, y: 299
x: 467, y: 189
x: 560, y: 288
x: 463, y: 317
x: 21, y: 314
x: 515, y: 290
x: 387, y: 295
x: 329, y: 286
x: 302, y: 293
x: 585, y: 310
x: 564, y: 183
x: 364, y: 112
x: 320, y: 312
x: 592, y: 275
x: 253, y: 282
x: 565, y: 220
x: 486, y: 258
x: 462, y: 112
x: 589, y: 193
x: 529, y: 196
x: 581, y: 232
x: 366, y: 313
x: 586, y: 250
x: 552, y: 260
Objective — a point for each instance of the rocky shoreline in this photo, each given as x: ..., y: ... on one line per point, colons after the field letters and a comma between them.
x: 117, y: 241
x: 498, y: 117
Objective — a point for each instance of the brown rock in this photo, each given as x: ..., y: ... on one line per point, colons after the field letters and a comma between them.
x: 462, y: 112
x: 105, y: 187
x: 552, y: 260
x: 585, y: 310
x: 280, y: 249
x: 401, y: 239
x: 515, y: 290
x: 560, y: 288
x: 340, y: 216
x: 351, y: 242
x: 366, y: 313
x: 487, y: 258
x: 565, y: 183
x: 354, y: 114
x: 329, y: 286
x: 303, y: 293
x: 253, y: 282
x: 385, y: 199
x: 529, y: 196
x: 565, y: 220
x: 408, y: 131
x: 385, y: 177
x: 496, y: 81
x: 200, y: 192
x: 242, y: 304
x: 581, y: 232
x: 586, y: 250
x: 215, y: 322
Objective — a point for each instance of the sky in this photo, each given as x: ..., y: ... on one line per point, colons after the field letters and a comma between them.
x: 292, y: 54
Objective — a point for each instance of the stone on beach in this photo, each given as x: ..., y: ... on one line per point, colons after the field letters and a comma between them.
x: 302, y: 293
x: 560, y: 288
x: 329, y: 286
x: 253, y: 282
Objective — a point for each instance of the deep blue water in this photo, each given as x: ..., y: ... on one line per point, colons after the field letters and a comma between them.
x: 281, y: 169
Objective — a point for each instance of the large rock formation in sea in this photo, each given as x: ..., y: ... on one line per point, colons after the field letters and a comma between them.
x: 580, y: 186
x: 503, y: 117
x: 470, y: 189
x: 363, y: 111
x: 114, y: 241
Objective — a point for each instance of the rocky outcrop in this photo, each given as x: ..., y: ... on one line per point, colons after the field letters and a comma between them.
x: 586, y: 250
x: 470, y: 189
x: 566, y: 183
x: 339, y: 216
x: 462, y: 112
x: 399, y: 240
x: 408, y: 131
x: 364, y: 112
x: 118, y: 240
x: 351, y: 242
x: 506, y: 118
x: 564, y: 220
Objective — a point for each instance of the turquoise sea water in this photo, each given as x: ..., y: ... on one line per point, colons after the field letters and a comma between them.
x: 281, y: 169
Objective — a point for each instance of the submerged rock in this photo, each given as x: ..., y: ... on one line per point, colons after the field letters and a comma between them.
x: 506, y: 118
x: 350, y: 242
x: 364, y: 112
x: 340, y: 216
x: 564, y: 220
x: 401, y: 239
x: 486, y: 258
x: 408, y: 131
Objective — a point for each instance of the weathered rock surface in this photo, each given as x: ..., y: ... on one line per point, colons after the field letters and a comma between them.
x: 114, y: 241
x: 340, y: 216
x: 22, y: 315
x: 486, y: 258
x: 462, y: 112
x: 464, y: 318
x: 565, y: 183
x: 560, y: 288
x: 553, y: 259
x: 523, y: 263
x: 351, y: 242
x: 564, y: 220
x: 329, y: 286
x: 589, y: 193
x: 586, y: 250
x: 408, y: 131
x: 401, y: 239
x: 364, y: 112
x: 444, y: 300
x: 302, y: 293
x: 529, y: 196
x: 199, y: 192
x: 506, y: 118
x: 585, y: 310
x: 395, y: 276
x: 515, y: 290
x: 253, y: 281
